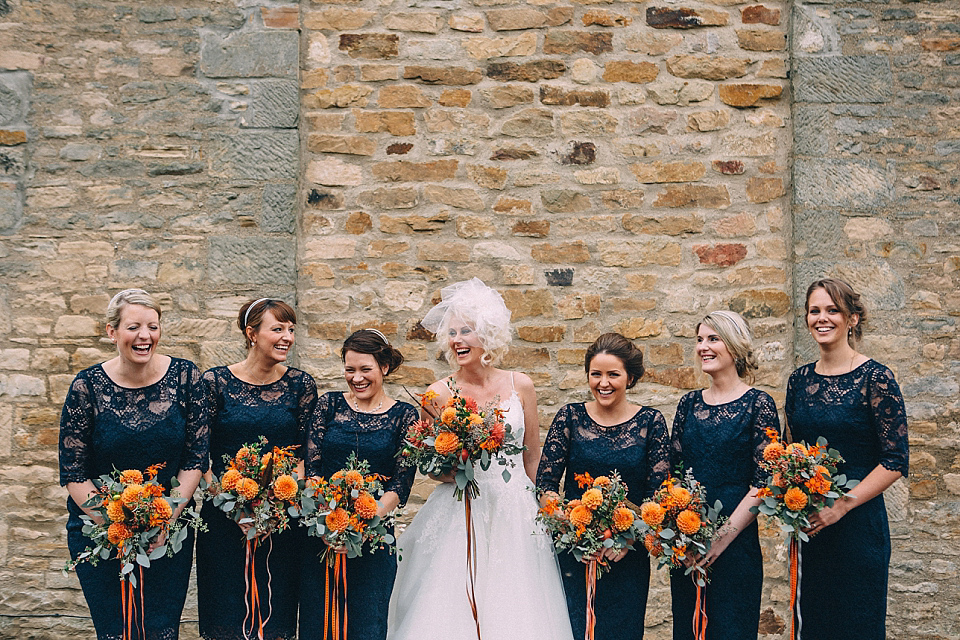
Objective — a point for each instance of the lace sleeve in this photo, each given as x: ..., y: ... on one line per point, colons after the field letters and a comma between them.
x: 76, y: 432
x: 676, y: 446
x: 556, y: 449
x: 658, y: 453
x: 764, y: 417
x: 788, y: 405
x: 889, y: 417
x: 306, y: 412
x: 402, y: 479
x: 315, y: 432
x: 196, y: 454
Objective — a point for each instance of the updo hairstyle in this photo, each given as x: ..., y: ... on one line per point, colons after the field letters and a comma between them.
x: 127, y: 297
x: 374, y: 343
x: 736, y: 335
x: 624, y: 350
x: 847, y: 300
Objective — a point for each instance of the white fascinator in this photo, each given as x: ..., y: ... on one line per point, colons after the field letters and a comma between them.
x: 477, y: 305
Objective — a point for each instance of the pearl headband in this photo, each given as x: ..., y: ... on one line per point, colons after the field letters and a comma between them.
x: 246, y: 316
x: 380, y: 334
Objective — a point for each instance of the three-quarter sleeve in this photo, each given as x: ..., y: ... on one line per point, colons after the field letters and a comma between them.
x: 306, y: 413
x: 403, y: 475
x: 889, y: 417
x: 556, y: 450
x: 789, y: 402
x: 658, y: 453
x: 323, y: 408
x: 76, y: 432
x: 764, y: 417
x: 196, y: 451
x: 676, y: 446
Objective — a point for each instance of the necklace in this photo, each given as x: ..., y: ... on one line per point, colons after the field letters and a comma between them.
x: 376, y: 409
x: 260, y: 381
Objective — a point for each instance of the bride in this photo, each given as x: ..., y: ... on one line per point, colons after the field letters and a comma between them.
x: 518, y: 590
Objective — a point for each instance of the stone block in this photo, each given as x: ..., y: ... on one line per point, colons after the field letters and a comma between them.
x: 748, y: 95
x: 455, y: 98
x: 249, y: 54
x: 637, y: 253
x: 324, y: 199
x: 564, y: 201
x: 513, y: 206
x: 529, y: 303
x: 445, y: 251
x: 469, y: 22
x: 262, y: 155
x: 533, y: 71
x: 475, y: 227
x: 510, y: 19
x: 622, y: 198
x: 568, y: 252
x: 457, y: 76
x: 251, y: 260
x: 761, y: 40
x: 337, y: 19
x: 721, y: 255
x: 600, y: 175
x: 566, y: 42
x: 12, y: 138
x: 454, y: 197
x: 332, y: 171
x: 542, y: 334
x: 860, y: 79
x: 553, y: 95
x: 487, y: 177
x: 402, y: 96
x: 510, y: 95
x: 278, y: 212
x: 588, y: 123
x: 482, y: 47
x: 605, y: 18
x: 765, y: 144
x: 759, y: 14
x: 370, y: 46
x: 76, y: 327
x: 273, y: 103
x: 418, y: 21
x: 280, y: 17
x: 531, y: 228
x: 656, y: 172
x: 633, y: 328
x: 688, y: 195
x: 761, y: 190
x: 708, y: 120
x: 11, y: 205
x: 349, y: 145
x: 685, y: 18
x: 396, y: 123
x: 404, y: 171
x: 668, y: 225
x: 852, y: 184
x: 629, y: 71
x: 348, y: 95
x: 707, y: 67
x: 529, y: 123
x: 761, y: 303
x: 654, y: 43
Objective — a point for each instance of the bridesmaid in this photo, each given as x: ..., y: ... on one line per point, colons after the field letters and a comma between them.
x: 609, y: 433
x: 720, y: 433
x: 363, y: 420
x: 260, y: 395
x: 855, y: 403
x: 137, y: 409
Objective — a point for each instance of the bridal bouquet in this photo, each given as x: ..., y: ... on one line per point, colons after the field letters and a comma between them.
x: 258, y: 489
x: 678, y: 522
x: 803, y: 480
x: 134, y: 512
x: 460, y: 436
x: 342, y: 510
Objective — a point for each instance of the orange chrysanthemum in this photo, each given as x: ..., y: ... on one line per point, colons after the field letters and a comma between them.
x: 131, y: 476
x: 248, y: 488
x: 688, y: 522
x: 795, y: 499
x: 337, y: 520
x: 622, y: 518
x: 592, y: 498
x: 652, y: 544
x: 285, y: 487
x: 117, y: 533
x: 796, y: 446
x: 353, y: 477
x: 601, y: 481
x: 230, y: 479
x: 581, y: 516
x: 818, y: 484
x: 652, y: 513
x: 680, y: 496
x: 446, y: 443
x: 162, y: 511
x: 822, y: 470
x: 115, y: 511
x: 365, y: 506
x: 131, y: 494
x: 448, y: 415
x: 773, y: 451
x: 475, y: 419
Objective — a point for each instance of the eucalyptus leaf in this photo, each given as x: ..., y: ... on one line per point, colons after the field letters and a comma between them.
x: 143, y: 560
x: 461, y: 480
x: 388, y: 539
x: 293, y: 512
x: 468, y: 471
x: 105, y: 554
x: 608, y: 543
x: 252, y: 533
x: 803, y: 536
x: 506, y: 475
x: 127, y: 568
x: 668, y: 534
x: 157, y: 553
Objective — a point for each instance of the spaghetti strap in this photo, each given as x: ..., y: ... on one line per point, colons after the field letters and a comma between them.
x: 513, y: 386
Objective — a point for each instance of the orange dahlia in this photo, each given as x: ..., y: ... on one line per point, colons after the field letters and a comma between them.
x: 337, y: 520
x: 115, y: 511
x: 796, y: 446
x: 365, y: 506
x: 688, y: 522
x: 285, y: 487
x: 581, y: 516
x: 652, y: 513
x: 475, y: 419
x: 818, y: 484
x: 601, y: 481
x: 230, y: 479
x: 162, y: 511
x: 448, y: 415
x: 446, y: 443
x: 248, y: 488
x: 131, y: 494
x: 131, y: 476
x: 822, y: 470
x: 117, y: 533
x: 772, y: 451
x: 652, y: 544
x: 681, y: 497
x: 622, y: 518
x: 353, y: 477
x: 592, y: 498
x: 795, y: 499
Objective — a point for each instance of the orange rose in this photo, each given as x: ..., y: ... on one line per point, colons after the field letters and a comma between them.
x: 772, y: 451
x: 622, y: 518
x: 365, y: 505
x: 248, y: 488
x: 337, y: 520
x: 795, y: 499
x: 652, y: 513
x: 131, y: 494
x: 285, y: 487
x: 117, y: 533
x: 581, y: 516
x: 230, y: 479
x: 131, y: 476
x: 688, y: 522
x: 446, y: 443
x: 592, y: 499
x: 822, y: 470
x: 448, y: 415
x: 115, y: 511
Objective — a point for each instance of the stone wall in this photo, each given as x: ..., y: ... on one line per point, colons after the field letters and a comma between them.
x: 605, y: 165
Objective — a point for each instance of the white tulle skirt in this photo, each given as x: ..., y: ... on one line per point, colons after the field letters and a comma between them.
x: 518, y: 590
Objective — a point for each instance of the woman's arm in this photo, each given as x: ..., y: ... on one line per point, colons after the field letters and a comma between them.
x: 81, y: 492
x: 531, y: 424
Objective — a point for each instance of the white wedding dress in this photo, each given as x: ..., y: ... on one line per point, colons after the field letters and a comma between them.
x: 518, y: 590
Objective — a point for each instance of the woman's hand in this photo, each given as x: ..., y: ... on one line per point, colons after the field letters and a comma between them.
x: 547, y: 496
x: 159, y: 541
x: 450, y: 476
x: 829, y: 516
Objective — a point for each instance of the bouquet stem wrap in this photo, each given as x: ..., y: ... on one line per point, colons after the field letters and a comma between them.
x: 700, y: 611
x: 794, y: 588
x: 254, y: 619
x: 128, y: 608
x: 333, y: 604
x: 591, y: 596
x: 471, y: 561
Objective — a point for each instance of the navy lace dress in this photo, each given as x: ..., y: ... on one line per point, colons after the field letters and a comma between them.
x: 338, y: 431
x: 240, y: 413
x: 723, y: 444
x: 843, y: 587
x: 640, y: 450
x: 105, y: 426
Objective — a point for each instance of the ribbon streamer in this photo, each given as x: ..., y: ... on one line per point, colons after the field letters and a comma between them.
x: 471, y: 561
x: 253, y: 620
x: 334, y: 604
x: 591, y: 596
x: 794, y: 589
x: 129, y: 612
x: 700, y: 612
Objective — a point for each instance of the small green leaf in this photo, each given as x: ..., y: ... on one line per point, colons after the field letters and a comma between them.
x: 158, y: 553
x: 143, y: 560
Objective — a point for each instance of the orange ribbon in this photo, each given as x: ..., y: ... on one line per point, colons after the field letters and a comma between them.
x: 339, y: 576
x: 471, y: 562
x: 253, y: 620
x: 700, y: 612
x: 128, y: 607
x: 591, y: 596
x: 794, y: 583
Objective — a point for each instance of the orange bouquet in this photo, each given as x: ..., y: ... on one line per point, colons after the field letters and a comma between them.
x: 460, y: 436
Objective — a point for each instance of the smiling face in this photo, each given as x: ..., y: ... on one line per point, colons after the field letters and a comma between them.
x: 273, y: 338
x: 363, y: 375
x: 712, y: 351
x: 136, y: 334
x: 464, y: 342
x: 608, y: 380
x: 826, y: 322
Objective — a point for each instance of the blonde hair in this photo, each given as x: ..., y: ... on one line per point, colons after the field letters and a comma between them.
x: 736, y: 335
x: 482, y: 309
x: 127, y: 297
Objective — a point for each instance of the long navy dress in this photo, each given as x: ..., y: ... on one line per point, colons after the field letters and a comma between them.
x: 240, y: 413
x: 640, y: 450
x: 861, y: 414
x: 723, y: 444
x: 105, y: 426
x: 338, y: 431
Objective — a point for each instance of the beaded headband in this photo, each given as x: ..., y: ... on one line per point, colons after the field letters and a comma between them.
x: 246, y: 316
x: 379, y: 334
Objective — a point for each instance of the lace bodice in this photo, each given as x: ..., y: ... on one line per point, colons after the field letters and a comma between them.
x: 241, y: 412
x: 638, y: 448
x: 105, y: 426
x: 340, y: 430
x: 723, y: 444
x: 860, y: 413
